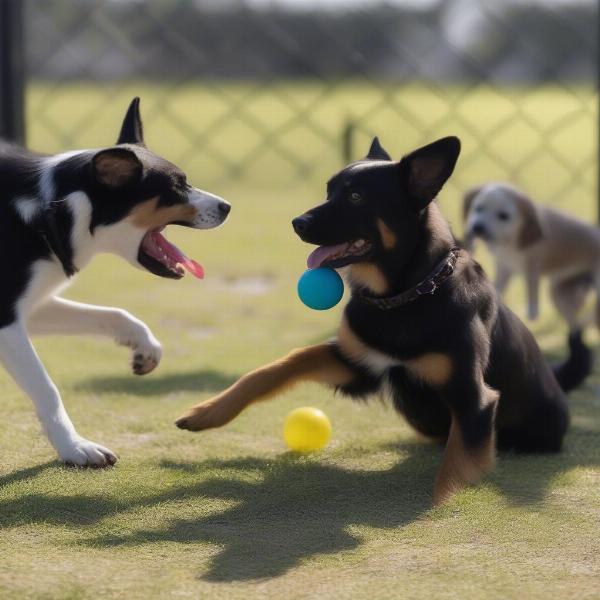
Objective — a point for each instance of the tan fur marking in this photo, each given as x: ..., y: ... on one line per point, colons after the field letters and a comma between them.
x: 115, y: 170
x: 531, y: 229
x: 463, y: 466
x: 388, y: 237
x: 434, y: 368
x: 369, y: 276
x: 314, y: 363
x: 350, y: 344
x: 147, y: 215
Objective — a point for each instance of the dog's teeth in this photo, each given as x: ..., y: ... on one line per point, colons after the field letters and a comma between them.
x: 359, y: 243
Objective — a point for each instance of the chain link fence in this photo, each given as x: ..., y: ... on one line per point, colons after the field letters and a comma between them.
x: 284, y: 91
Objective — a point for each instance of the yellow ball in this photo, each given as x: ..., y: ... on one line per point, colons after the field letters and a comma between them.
x: 306, y: 429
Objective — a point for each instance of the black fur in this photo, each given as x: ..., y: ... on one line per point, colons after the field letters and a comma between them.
x: 20, y: 245
x: 132, y: 130
x: 578, y: 365
x: 488, y: 345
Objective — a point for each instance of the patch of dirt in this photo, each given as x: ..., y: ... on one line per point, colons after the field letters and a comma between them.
x: 133, y: 440
x: 252, y: 285
x: 196, y: 332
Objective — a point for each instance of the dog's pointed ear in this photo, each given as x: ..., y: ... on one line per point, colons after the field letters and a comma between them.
x: 468, y: 198
x: 132, y: 131
x: 376, y: 151
x: 531, y: 229
x: 116, y: 167
x: 425, y: 170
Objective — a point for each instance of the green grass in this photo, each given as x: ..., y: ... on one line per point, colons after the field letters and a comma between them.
x: 230, y: 513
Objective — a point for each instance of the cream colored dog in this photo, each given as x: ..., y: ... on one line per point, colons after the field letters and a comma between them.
x: 536, y: 241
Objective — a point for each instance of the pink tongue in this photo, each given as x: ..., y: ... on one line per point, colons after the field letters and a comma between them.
x: 177, y: 256
x: 317, y: 257
x: 196, y: 269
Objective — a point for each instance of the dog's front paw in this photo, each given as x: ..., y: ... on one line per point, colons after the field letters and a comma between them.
x: 145, y: 357
x: 79, y: 452
x: 146, y: 349
x: 209, y: 414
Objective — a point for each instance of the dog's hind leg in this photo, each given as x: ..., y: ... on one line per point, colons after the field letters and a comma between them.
x: 568, y: 296
x: 22, y: 363
x: 65, y: 317
x: 313, y: 363
x: 532, y: 280
x: 470, y: 448
x: 503, y: 277
x: 596, y: 279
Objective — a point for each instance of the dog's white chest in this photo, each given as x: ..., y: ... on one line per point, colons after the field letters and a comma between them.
x: 47, y: 279
x: 377, y: 362
x: 509, y: 257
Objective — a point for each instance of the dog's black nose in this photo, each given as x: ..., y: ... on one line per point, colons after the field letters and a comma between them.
x: 224, y: 208
x: 300, y: 224
x: 479, y: 229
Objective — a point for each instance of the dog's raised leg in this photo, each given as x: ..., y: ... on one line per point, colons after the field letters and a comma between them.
x: 60, y: 316
x: 532, y: 279
x: 503, y: 277
x: 313, y: 363
x: 21, y: 361
x: 471, y: 446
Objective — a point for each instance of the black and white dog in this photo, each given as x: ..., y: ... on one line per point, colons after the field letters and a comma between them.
x: 56, y: 213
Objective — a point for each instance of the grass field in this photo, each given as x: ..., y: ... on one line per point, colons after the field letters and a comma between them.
x: 230, y: 513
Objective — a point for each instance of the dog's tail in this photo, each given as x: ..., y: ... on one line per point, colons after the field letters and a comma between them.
x: 578, y: 365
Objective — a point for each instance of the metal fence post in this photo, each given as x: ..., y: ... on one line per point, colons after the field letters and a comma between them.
x: 348, y: 141
x: 12, y: 72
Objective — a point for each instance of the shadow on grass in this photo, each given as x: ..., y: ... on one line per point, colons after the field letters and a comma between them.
x: 155, y: 385
x: 293, y: 509
x: 26, y: 474
x: 282, y: 511
x: 525, y: 480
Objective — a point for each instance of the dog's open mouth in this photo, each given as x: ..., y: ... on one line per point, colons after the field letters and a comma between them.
x: 162, y: 258
x: 339, y: 255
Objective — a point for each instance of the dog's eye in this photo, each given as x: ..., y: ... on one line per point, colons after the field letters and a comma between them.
x: 355, y: 198
x: 503, y: 216
x: 181, y: 182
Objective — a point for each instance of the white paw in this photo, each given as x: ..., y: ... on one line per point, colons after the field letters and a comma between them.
x: 80, y: 452
x: 146, y: 356
x: 146, y: 349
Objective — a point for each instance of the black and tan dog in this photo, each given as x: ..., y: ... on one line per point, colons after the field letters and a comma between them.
x: 423, y: 321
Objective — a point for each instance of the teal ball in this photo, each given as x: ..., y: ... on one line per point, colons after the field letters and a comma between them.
x: 320, y: 289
